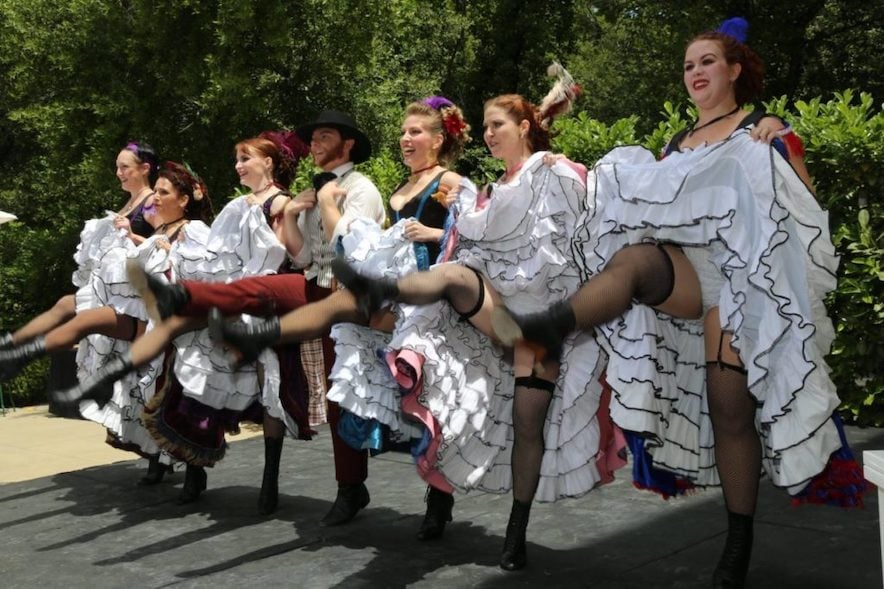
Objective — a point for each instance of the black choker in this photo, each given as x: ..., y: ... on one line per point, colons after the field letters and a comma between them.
x: 695, y: 128
x: 162, y: 228
x: 416, y: 172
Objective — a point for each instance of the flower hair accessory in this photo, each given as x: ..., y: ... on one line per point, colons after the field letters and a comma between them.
x: 437, y: 102
x: 736, y: 27
x: 291, y: 146
x: 452, y: 120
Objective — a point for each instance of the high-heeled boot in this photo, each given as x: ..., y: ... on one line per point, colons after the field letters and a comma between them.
x: 546, y: 330
x: 14, y: 359
x: 195, y: 481
x: 162, y: 299
x: 249, y: 340
x: 734, y: 564
x: 155, y: 471
x: 370, y: 292
x: 97, y: 386
x: 514, y: 555
x: 439, y: 504
x: 269, y: 496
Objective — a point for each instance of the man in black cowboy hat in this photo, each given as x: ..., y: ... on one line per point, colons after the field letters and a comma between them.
x: 312, y: 223
x: 319, y: 217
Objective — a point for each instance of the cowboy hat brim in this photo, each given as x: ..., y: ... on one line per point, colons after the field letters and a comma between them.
x: 362, y: 145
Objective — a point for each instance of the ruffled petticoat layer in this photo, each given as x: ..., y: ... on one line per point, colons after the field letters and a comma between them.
x: 206, y: 386
x: 753, y: 219
x: 101, y: 277
x: 361, y: 382
x: 460, y: 385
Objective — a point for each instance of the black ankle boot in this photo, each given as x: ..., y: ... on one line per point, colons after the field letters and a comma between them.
x: 14, y: 359
x: 249, y: 340
x: 545, y: 330
x: 734, y: 564
x: 98, y: 385
x: 351, y: 498
x: 370, y: 293
x: 514, y: 556
x: 155, y: 471
x: 439, y: 504
x: 195, y: 480
x: 269, y: 496
x: 162, y: 299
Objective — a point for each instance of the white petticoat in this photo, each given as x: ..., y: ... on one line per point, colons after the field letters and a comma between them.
x: 521, y: 242
x: 759, y: 225
x: 360, y: 380
x: 101, y: 276
x: 240, y: 244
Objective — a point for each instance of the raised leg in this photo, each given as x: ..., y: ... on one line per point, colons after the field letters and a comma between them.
x: 656, y: 275
x: 63, y: 310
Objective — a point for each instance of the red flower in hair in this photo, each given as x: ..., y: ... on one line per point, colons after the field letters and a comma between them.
x: 454, y: 125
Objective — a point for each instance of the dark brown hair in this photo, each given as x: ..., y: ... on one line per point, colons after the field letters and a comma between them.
x: 199, y: 206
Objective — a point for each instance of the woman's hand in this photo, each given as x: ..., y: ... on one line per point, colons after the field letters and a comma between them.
x: 163, y: 244
x: 121, y: 222
x: 417, y: 231
x: 767, y: 129
x: 550, y: 159
x: 304, y: 200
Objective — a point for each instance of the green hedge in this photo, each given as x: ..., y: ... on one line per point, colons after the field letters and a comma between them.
x: 844, y: 138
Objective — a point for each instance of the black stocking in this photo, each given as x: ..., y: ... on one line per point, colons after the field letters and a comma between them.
x: 641, y: 272
x: 460, y: 285
x: 530, y: 405
x: 737, y: 445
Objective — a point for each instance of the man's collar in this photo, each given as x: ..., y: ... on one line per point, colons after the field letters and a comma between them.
x: 342, y: 169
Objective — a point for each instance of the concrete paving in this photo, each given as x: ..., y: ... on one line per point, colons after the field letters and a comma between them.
x: 93, y: 527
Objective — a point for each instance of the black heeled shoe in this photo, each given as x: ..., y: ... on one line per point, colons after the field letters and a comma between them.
x: 438, y: 514
x: 162, y: 299
x: 515, y: 554
x: 195, y: 481
x: 155, y: 471
x: 269, y: 496
x: 350, y: 499
x: 14, y: 359
x: 544, y: 332
x: 370, y: 293
x: 730, y: 573
x: 249, y: 340
x: 96, y: 386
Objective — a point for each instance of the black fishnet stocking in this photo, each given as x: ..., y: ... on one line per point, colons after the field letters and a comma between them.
x: 530, y: 405
x: 737, y: 445
x: 640, y: 272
